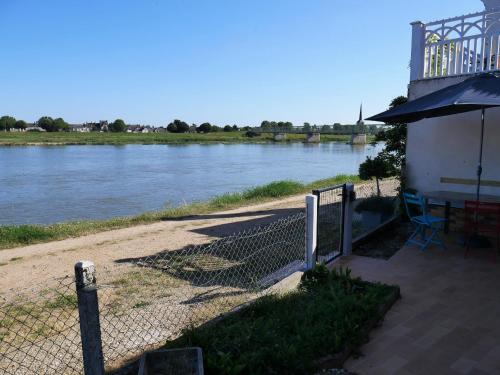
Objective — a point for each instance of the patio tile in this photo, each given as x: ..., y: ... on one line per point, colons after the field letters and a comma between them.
x: 476, y: 371
x: 447, y: 321
x: 464, y: 365
x: 392, y: 365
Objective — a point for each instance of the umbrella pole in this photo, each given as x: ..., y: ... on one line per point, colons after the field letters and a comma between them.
x: 480, y: 165
x: 477, y: 240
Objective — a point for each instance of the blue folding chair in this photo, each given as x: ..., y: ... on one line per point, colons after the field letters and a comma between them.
x: 422, y: 221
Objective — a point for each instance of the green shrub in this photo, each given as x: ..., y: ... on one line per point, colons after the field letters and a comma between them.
x: 315, y: 277
x: 286, y: 334
x: 252, y: 134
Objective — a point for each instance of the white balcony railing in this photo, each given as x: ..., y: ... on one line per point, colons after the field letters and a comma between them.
x: 455, y: 46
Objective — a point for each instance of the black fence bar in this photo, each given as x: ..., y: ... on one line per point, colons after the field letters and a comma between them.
x: 331, y: 215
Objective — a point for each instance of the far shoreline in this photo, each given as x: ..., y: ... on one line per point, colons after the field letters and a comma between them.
x: 103, y: 139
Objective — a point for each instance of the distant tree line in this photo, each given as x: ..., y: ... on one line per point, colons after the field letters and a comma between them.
x: 9, y: 122
x: 336, y: 128
x: 50, y: 124
x: 53, y: 125
x: 178, y: 126
x: 273, y: 125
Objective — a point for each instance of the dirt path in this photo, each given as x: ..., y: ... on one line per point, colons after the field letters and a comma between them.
x: 33, y: 265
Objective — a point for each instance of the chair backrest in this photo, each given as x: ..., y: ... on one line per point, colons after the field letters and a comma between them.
x: 416, y: 201
x: 482, y: 213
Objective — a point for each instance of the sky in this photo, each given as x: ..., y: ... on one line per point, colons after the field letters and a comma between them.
x: 221, y: 61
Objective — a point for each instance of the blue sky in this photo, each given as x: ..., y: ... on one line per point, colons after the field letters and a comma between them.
x: 222, y: 61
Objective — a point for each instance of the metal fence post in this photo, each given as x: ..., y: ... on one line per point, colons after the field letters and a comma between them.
x: 88, y: 309
x: 311, y: 230
x: 347, y: 218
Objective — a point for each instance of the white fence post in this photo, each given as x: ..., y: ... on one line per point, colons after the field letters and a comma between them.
x: 88, y: 309
x: 347, y: 225
x: 311, y: 230
x: 417, y: 51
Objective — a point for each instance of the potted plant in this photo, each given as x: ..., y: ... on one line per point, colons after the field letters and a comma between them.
x: 377, y: 209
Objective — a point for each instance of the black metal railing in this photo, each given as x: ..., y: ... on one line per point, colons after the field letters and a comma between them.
x: 331, y: 215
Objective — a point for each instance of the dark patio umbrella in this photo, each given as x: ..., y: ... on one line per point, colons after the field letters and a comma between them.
x: 477, y: 93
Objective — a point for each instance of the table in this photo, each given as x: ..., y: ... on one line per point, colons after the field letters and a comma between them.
x: 455, y: 197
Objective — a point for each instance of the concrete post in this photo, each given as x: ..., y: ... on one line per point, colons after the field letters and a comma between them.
x: 347, y: 216
x: 417, y: 51
x: 311, y: 230
x: 88, y: 309
x: 279, y: 137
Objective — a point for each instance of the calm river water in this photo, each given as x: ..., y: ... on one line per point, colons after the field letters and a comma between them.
x: 49, y: 184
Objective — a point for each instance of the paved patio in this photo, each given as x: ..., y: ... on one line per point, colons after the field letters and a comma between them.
x: 448, y: 320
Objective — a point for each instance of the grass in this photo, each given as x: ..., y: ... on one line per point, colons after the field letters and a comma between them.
x: 138, y: 288
x: 20, y: 235
x: 31, y: 317
x: 73, y: 138
x: 289, y: 333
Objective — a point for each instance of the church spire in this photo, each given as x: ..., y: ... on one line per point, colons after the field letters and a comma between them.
x: 360, y: 121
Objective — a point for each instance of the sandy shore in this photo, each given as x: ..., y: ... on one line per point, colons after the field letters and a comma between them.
x: 36, y: 265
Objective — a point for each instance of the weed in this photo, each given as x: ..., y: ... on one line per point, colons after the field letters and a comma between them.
x: 286, y: 334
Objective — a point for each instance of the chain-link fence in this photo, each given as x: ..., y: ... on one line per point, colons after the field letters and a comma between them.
x: 39, y: 330
x: 152, y: 299
x: 372, y: 210
x: 147, y: 300
x: 163, y: 294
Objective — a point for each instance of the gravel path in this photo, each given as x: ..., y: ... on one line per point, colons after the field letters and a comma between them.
x: 45, y: 340
x: 33, y: 265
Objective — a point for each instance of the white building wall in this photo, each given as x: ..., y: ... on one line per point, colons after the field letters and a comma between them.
x: 449, y: 146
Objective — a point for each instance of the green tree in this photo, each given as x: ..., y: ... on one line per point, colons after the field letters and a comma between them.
x: 172, y: 128
x: 394, y: 137
x: 377, y: 168
x: 228, y: 128
x: 235, y: 128
x: 47, y: 123
x: 178, y: 126
x: 7, y: 122
x: 61, y: 125
x: 118, y: 126
x: 20, y: 124
x: 206, y: 127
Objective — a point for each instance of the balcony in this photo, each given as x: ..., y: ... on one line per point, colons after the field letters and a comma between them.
x: 463, y: 45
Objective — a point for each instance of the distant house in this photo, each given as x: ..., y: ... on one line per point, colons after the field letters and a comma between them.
x: 160, y: 129
x: 80, y: 128
x: 134, y: 129
x: 101, y: 126
x: 34, y: 128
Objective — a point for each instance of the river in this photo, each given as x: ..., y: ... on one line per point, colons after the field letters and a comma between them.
x: 49, y: 184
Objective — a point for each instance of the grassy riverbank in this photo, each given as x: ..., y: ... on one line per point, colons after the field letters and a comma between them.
x: 19, y: 235
x: 73, y: 138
